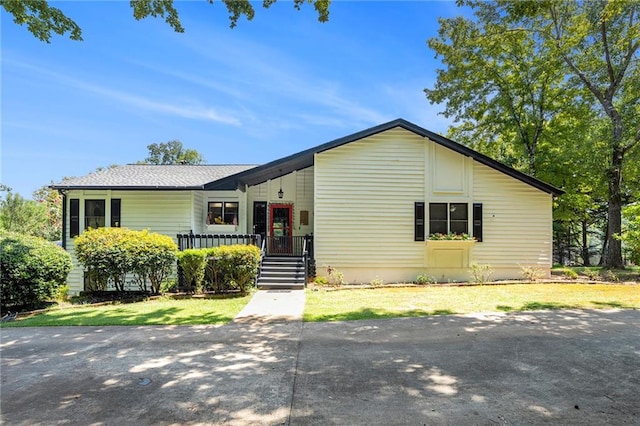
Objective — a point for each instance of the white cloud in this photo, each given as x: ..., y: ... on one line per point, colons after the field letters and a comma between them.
x: 193, y: 110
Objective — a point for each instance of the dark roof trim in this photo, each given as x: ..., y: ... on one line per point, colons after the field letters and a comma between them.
x: 305, y: 159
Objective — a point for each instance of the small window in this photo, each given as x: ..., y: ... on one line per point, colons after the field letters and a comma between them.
x: 94, y: 214
x: 448, y: 218
x: 74, y: 217
x: 115, y: 212
x: 223, y: 213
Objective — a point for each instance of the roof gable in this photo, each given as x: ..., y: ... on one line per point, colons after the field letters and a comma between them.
x: 304, y: 159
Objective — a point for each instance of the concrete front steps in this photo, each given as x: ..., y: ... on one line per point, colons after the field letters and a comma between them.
x: 280, y: 272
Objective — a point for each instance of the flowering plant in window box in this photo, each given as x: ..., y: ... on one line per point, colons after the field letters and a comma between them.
x: 451, y: 237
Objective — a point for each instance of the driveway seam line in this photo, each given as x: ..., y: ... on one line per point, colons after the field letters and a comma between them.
x: 295, y: 372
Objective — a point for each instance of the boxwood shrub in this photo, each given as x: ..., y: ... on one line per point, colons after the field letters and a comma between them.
x: 31, y: 270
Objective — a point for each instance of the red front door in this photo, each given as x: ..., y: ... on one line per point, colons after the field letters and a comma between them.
x: 280, y: 228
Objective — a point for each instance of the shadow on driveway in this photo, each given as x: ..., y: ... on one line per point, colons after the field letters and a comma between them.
x: 558, y: 367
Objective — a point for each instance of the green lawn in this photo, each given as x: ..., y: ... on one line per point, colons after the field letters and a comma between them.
x: 162, y: 311
x: 340, y: 305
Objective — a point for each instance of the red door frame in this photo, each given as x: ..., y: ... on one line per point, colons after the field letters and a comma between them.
x: 283, y: 244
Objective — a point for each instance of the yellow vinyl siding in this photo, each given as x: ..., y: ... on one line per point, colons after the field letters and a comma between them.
x: 199, y: 215
x: 517, y: 223
x: 297, y: 190
x: 364, y: 202
x: 165, y: 212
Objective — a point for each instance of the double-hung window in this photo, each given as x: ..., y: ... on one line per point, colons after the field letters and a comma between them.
x: 448, y: 218
x: 222, y: 213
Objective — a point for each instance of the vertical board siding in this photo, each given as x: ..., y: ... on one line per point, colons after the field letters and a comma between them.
x: 364, y: 202
x: 517, y: 221
x: 304, y: 200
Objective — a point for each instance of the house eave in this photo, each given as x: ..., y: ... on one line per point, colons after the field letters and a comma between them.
x: 304, y: 159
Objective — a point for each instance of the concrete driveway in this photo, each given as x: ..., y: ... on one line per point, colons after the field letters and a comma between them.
x: 561, y: 367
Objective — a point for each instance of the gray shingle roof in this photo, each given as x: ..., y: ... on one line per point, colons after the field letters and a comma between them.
x: 150, y: 176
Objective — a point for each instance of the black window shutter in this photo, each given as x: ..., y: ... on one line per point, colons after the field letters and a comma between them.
x: 115, y: 212
x: 74, y: 217
x: 419, y: 221
x: 477, y: 221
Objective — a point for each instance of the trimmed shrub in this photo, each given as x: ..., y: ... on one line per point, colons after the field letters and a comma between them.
x: 193, y: 263
x: 237, y: 265
x: 105, y: 256
x: 154, y: 256
x: 109, y: 254
x: 31, y: 270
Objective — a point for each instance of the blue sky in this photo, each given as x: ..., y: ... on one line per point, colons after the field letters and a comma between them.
x: 268, y: 88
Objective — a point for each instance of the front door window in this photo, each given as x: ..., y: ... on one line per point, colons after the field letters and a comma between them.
x: 281, y: 229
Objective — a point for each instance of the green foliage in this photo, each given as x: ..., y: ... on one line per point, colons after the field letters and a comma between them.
x: 558, y: 97
x: 321, y: 280
x: 38, y: 219
x: 172, y: 152
x: 609, y: 275
x: 51, y: 199
x: 237, y: 266
x: 105, y: 254
x: 335, y: 276
x: 592, y: 274
x: 376, y: 282
x: 42, y: 20
x: 451, y: 236
x: 193, y: 263
x: 62, y: 293
x: 570, y: 273
x: 109, y: 254
x: 31, y: 270
x: 425, y: 279
x: 531, y: 272
x: 480, y: 274
x: 631, y: 233
x: 153, y: 258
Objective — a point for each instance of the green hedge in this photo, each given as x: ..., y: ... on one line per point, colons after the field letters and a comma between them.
x: 109, y: 254
x: 232, y: 267
x: 193, y: 263
x: 31, y: 270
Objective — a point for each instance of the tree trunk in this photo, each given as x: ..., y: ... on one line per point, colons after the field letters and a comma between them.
x: 613, y: 255
x: 585, y: 245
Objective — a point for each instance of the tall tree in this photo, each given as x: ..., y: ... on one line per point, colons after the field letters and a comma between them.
x: 26, y: 217
x: 172, y: 152
x: 598, y: 41
x: 51, y: 200
x: 594, y: 48
x: 43, y: 21
x: 498, y: 85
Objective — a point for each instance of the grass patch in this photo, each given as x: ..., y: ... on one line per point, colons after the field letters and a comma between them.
x: 162, y: 311
x: 422, y: 301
